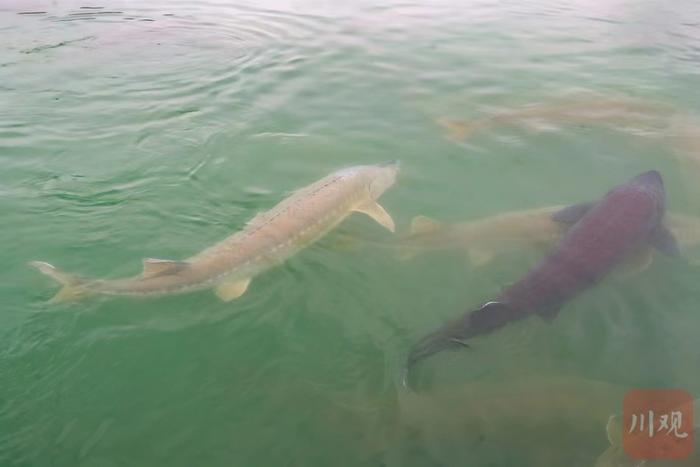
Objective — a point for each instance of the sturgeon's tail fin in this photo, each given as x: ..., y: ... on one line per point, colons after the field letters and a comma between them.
x: 73, y: 286
x: 455, y: 333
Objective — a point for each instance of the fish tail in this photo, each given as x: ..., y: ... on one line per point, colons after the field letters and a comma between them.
x: 73, y: 286
x: 455, y: 334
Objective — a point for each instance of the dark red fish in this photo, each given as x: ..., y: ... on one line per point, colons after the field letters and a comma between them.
x: 603, y: 234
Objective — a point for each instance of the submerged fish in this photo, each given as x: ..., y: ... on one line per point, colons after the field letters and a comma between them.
x: 484, y: 239
x: 596, y: 109
x: 603, y: 235
x: 532, y: 420
x: 267, y: 240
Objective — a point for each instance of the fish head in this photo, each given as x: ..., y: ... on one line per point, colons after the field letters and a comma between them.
x: 651, y: 178
x: 649, y: 182
x: 381, y: 177
x: 648, y: 185
x: 652, y: 183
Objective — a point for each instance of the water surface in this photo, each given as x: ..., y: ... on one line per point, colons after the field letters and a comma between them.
x: 131, y: 131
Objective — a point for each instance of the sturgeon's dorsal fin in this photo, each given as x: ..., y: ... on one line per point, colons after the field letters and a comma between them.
x: 572, y: 214
x: 227, y: 291
x: 663, y: 240
x: 376, y: 212
x: 157, y: 267
x: 424, y: 225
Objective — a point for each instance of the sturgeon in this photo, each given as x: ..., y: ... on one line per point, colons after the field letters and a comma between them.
x: 603, y: 235
x: 486, y: 238
x: 266, y: 241
x: 615, y: 112
x: 483, y: 239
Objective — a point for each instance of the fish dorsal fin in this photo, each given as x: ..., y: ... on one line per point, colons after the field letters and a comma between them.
x: 663, y: 240
x: 157, y: 267
x: 376, y: 212
x: 572, y: 214
x: 227, y: 291
x: 425, y: 225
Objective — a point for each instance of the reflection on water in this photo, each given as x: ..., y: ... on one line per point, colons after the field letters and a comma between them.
x: 131, y: 130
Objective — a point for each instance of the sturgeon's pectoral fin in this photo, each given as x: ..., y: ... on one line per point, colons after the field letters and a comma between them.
x: 572, y: 214
x: 636, y: 263
x: 548, y: 314
x: 376, y: 212
x: 227, y: 291
x: 157, y: 267
x: 663, y: 240
x: 480, y: 257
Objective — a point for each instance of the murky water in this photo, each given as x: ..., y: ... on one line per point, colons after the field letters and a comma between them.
x: 154, y: 129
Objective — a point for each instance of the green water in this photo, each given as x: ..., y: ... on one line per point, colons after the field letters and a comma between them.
x: 131, y: 131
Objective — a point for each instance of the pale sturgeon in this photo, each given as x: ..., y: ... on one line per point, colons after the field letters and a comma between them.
x: 483, y: 239
x: 267, y: 240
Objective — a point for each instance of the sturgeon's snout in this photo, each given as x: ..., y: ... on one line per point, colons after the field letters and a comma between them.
x: 651, y: 177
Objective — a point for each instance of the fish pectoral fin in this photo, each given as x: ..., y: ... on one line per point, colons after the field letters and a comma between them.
x: 376, y: 212
x: 425, y: 225
x: 480, y: 257
x: 663, y: 240
x: 227, y: 291
x: 572, y: 214
x: 157, y: 267
x: 636, y: 263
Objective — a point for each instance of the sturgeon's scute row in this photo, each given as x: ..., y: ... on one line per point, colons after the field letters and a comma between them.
x: 267, y: 240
